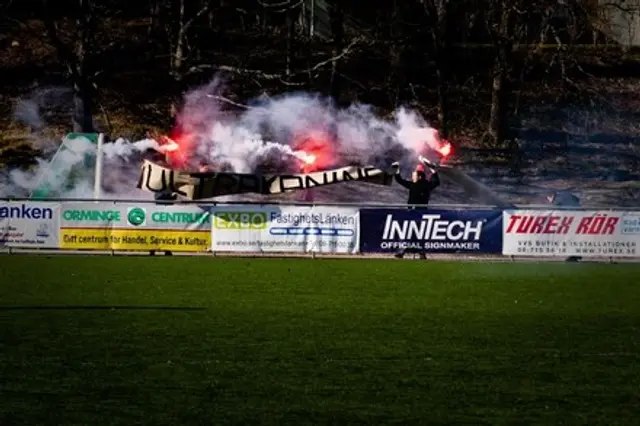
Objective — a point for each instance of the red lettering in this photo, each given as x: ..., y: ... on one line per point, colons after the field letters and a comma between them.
x: 610, y: 226
x: 597, y: 225
x: 565, y: 225
x: 513, y: 219
x: 538, y: 224
x: 551, y: 225
x: 583, y: 226
x: 525, y: 223
x: 557, y: 225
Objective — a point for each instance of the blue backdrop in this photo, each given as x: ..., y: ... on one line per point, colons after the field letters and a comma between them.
x: 440, y: 231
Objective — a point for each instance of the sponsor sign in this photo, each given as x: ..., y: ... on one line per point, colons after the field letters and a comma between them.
x: 101, y: 226
x: 292, y: 229
x: 29, y: 224
x: 436, y: 231
x: 571, y: 233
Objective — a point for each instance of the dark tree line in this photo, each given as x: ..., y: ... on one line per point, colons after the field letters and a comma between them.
x: 387, y: 52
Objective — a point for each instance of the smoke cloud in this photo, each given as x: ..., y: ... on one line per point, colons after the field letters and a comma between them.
x: 268, y: 135
x: 280, y: 125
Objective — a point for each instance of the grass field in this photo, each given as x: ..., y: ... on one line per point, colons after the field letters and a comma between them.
x: 174, y: 341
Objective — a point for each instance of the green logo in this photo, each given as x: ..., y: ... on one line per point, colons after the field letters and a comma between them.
x: 240, y: 220
x: 92, y: 215
x: 180, y: 217
x: 136, y: 216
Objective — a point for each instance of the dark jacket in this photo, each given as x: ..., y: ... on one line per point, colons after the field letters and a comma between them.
x: 420, y: 191
x: 165, y: 197
x: 566, y: 199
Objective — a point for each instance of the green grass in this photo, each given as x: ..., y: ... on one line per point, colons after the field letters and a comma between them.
x: 291, y: 341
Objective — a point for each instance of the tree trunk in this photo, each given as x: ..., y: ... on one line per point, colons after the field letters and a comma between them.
x: 83, y: 103
x: 336, y: 16
x: 497, y: 120
x: 441, y: 44
x: 290, y: 22
x: 154, y: 22
x: 177, y: 54
x: 503, y: 46
x: 395, y: 80
x: 83, y: 98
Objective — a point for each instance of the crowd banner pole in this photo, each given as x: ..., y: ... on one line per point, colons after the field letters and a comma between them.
x: 98, y: 172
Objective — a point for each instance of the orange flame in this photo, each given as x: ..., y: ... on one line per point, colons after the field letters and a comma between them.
x: 314, y: 149
x: 168, y: 145
x: 305, y: 157
x: 445, y: 150
x: 176, y: 148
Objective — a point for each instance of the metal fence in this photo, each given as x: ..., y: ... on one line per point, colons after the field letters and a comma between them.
x: 363, y: 205
x: 214, y: 227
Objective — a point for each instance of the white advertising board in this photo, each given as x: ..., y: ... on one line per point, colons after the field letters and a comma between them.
x: 595, y: 233
x: 285, y: 229
x: 29, y: 224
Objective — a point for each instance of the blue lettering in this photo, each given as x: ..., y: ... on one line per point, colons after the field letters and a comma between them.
x: 23, y: 211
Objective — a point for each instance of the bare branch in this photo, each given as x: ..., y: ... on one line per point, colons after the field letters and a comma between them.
x: 229, y: 101
x: 285, y: 5
x: 195, y: 17
x: 279, y: 76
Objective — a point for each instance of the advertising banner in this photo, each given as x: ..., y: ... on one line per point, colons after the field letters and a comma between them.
x: 144, y: 227
x: 29, y: 224
x: 291, y: 229
x: 435, y: 231
x: 571, y: 233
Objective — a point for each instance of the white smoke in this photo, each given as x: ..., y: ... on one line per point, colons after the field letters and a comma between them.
x: 67, y: 174
x: 263, y: 133
x: 270, y: 126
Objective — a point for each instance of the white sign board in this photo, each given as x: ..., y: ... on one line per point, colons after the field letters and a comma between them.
x: 29, y: 224
x: 595, y: 233
x: 288, y: 229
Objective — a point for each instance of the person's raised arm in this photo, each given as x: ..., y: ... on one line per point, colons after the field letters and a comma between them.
x: 402, y: 181
x: 435, y: 179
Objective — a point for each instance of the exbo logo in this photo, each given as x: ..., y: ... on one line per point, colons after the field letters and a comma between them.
x: 240, y: 220
x: 136, y: 216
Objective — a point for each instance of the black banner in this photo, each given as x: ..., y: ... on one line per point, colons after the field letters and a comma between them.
x: 198, y: 186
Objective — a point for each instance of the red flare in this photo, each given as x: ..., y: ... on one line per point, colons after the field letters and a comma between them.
x: 445, y: 150
x: 314, y: 150
x: 177, y: 148
x: 435, y: 146
x: 168, y: 145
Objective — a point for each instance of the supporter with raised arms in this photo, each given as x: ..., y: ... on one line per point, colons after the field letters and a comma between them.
x: 420, y: 187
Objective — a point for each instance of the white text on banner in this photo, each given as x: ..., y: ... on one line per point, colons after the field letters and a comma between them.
x: 596, y: 233
x: 291, y: 229
x: 29, y: 224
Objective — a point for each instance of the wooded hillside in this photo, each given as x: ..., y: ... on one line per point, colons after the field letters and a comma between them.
x: 484, y: 72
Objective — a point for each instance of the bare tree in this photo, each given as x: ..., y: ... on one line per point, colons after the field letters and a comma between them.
x: 291, y: 11
x: 178, y: 23
x: 76, y: 48
x: 336, y: 17
x: 395, y: 45
x: 437, y: 12
x: 500, y: 22
x: 178, y: 18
